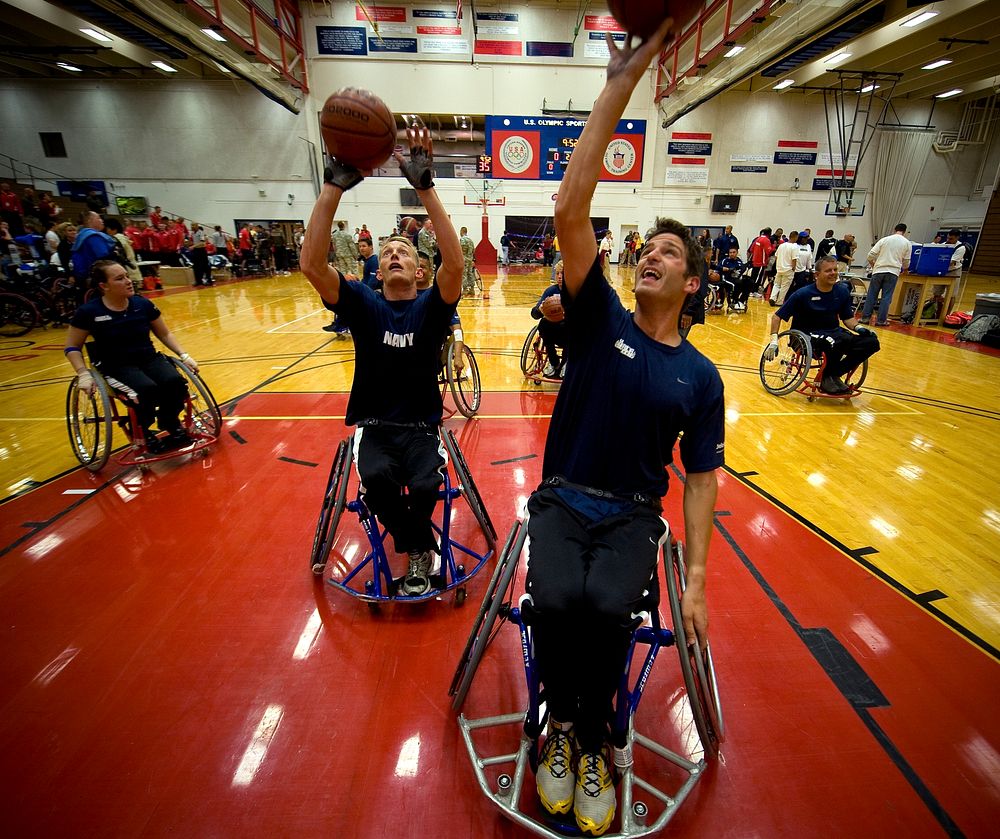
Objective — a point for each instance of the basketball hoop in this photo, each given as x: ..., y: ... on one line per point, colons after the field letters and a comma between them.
x: 484, y: 193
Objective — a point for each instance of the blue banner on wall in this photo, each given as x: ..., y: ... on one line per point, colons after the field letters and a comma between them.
x: 556, y: 49
x: 796, y: 158
x: 341, y: 40
x: 395, y: 45
x: 698, y: 148
x: 759, y: 170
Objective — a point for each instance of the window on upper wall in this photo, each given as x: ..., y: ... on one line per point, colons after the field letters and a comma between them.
x: 52, y: 143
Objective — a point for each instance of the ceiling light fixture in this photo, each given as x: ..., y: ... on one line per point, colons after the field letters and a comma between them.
x: 166, y: 68
x: 941, y: 62
x: 869, y: 88
x: 836, y: 59
x: 784, y: 84
x: 99, y: 36
x: 734, y: 52
x: 223, y: 67
x: 916, y: 20
x: 949, y: 94
x: 213, y: 34
x: 70, y: 67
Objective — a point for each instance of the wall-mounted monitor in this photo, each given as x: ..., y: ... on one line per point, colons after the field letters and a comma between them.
x: 725, y: 203
x: 408, y: 198
x: 131, y: 205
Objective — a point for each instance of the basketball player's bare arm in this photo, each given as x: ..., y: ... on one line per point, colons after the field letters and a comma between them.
x: 316, y: 244
x: 576, y: 234
x: 700, y: 490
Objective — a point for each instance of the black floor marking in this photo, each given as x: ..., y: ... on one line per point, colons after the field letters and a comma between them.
x: 236, y: 436
x: 512, y: 459
x: 299, y: 462
x: 849, y: 677
x: 859, y: 557
x: 867, y: 550
x: 749, y: 474
x: 722, y: 513
x: 33, y: 523
x: 929, y: 596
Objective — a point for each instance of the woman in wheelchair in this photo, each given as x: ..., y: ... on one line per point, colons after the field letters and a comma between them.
x: 119, y: 321
x: 817, y: 311
x: 549, y: 313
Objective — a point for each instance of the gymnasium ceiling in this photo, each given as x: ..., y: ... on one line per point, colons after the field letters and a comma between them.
x: 783, y: 40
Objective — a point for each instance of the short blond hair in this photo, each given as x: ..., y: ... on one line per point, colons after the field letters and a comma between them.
x: 404, y: 240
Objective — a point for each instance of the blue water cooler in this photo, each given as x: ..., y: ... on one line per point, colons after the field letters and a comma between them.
x: 931, y: 260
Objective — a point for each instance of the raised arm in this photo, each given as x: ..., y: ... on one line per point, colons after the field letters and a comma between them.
x: 337, y: 179
x: 576, y: 234
x: 419, y: 172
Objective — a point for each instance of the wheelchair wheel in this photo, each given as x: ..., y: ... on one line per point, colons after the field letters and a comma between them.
x: 710, y: 297
x: 697, y: 667
x: 18, y: 316
x: 478, y: 280
x: 204, y: 416
x: 533, y: 356
x: 90, y: 422
x: 790, y: 366
x: 470, y: 490
x: 856, y: 377
x: 466, y: 388
x: 483, y: 629
x: 334, y: 503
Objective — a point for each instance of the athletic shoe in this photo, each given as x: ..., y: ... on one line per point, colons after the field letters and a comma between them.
x: 417, y: 579
x: 154, y: 445
x: 594, y: 800
x: 549, y: 371
x: 833, y: 386
x: 330, y: 328
x: 883, y: 323
x: 554, y: 779
x: 177, y: 439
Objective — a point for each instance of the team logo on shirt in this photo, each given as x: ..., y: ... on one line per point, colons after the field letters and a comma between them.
x: 102, y: 317
x: 394, y: 339
x: 624, y: 349
x: 516, y: 155
x: 619, y: 157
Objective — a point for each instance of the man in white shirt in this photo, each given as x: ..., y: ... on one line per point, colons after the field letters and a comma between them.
x: 784, y: 265
x: 958, y: 255
x: 606, y: 249
x: 889, y: 258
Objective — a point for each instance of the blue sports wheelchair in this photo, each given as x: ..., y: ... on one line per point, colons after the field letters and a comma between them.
x: 502, y: 776
x: 371, y: 578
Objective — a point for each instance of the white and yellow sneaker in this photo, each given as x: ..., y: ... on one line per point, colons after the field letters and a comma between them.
x: 554, y: 779
x: 594, y: 797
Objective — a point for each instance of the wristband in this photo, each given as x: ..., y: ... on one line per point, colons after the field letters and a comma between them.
x: 68, y: 350
x: 185, y: 356
x: 458, y: 336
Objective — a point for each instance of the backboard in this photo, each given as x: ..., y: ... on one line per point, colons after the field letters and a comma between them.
x: 846, y: 201
x: 478, y: 191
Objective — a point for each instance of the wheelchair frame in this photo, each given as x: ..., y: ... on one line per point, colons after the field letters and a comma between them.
x: 534, y: 359
x: 697, y: 670
x: 100, y: 411
x: 382, y: 586
x: 795, y: 362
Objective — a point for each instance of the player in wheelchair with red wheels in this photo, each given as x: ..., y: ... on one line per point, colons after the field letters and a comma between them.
x: 551, y: 317
x: 120, y: 323
x: 817, y: 311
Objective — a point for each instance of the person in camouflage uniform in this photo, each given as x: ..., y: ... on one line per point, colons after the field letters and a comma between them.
x: 345, y: 258
x: 427, y: 243
x: 469, y: 252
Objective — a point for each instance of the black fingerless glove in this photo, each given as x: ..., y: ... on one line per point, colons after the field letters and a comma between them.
x: 419, y: 171
x: 341, y: 174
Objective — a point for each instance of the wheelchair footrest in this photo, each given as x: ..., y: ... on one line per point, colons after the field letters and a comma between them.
x: 503, y: 777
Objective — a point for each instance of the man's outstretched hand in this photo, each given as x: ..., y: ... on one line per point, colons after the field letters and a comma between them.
x: 633, y: 61
x: 341, y: 174
x: 419, y: 170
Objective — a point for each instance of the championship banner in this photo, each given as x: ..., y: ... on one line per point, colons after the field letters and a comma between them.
x: 539, y: 148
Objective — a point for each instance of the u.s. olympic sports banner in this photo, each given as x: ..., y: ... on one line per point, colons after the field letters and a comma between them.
x: 540, y: 148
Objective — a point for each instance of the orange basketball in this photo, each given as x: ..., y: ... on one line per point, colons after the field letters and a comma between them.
x: 358, y: 128
x: 642, y: 17
x: 408, y: 225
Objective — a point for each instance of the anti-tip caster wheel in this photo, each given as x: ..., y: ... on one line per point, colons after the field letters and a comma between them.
x: 460, y: 595
x: 374, y: 608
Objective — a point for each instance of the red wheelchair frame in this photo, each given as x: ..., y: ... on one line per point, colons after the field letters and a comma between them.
x: 791, y: 367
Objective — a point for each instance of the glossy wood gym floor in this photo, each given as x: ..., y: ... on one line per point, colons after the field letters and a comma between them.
x: 170, y: 667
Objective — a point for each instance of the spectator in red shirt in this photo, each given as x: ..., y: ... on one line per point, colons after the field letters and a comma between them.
x: 761, y: 249
x: 10, y: 210
x: 156, y: 218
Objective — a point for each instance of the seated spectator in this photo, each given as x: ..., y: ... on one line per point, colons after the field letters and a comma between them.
x: 723, y: 243
x: 91, y: 245
x: 817, y: 310
x: 10, y: 210
x: 736, y: 278
x: 551, y: 316
x: 120, y: 322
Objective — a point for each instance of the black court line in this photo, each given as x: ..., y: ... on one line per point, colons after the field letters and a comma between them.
x: 850, y: 678
x: 299, y: 462
x: 867, y: 550
x: 749, y: 474
x: 962, y: 630
x: 236, y: 436
x: 512, y: 459
x: 930, y: 596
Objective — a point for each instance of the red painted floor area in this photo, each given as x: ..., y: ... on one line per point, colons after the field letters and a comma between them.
x: 171, y: 667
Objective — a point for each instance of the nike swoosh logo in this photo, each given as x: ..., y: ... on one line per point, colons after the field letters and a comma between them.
x: 681, y: 381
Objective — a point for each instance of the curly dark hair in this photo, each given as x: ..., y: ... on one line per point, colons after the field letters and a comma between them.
x: 693, y: 251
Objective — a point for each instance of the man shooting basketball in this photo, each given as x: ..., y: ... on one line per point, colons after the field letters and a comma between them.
x: 395, y: 400
x: 594, y: 526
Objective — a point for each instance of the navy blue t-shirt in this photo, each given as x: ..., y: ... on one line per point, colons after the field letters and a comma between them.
x: 626, y: 398
x: 121, y: 338
x: 368, y: 277
x: 817, y: 312
x: 397, y: 353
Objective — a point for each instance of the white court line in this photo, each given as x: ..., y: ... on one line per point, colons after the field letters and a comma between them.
x: 274, y: 329
x: 77, y: 491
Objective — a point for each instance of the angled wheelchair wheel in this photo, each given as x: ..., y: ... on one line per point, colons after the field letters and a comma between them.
x: 496, y: 603
x: 90, y: 420
x: 469, y: 488
x: 465, y: 388
x: 789, y: 368
x: 478, y: 281
x: 697, y: 667
x: 856, y: 377
x: 710, y: 297
x: 18, y: 316
x: 334, y: 503
x: 533, y: 356
x: 203, y: 414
